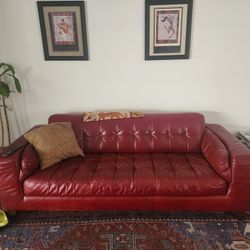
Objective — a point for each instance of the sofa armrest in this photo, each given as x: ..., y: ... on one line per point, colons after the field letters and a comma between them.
x: 17, y: 162
x: 30, y: 162
x: 239, y: 160
x: 11, y: 191
x: 216, y: 154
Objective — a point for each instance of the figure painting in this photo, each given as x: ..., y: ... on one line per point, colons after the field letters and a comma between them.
x: 168, y: 24
x: 167, y: 29
x: 63, y: 29
x: 62, y: 25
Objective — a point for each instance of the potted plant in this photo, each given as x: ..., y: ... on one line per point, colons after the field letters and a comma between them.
x: 7, y: 78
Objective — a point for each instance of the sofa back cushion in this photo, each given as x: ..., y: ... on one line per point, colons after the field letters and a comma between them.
x: 180, y: 132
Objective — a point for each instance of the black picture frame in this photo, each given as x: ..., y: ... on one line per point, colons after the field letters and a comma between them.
x: 168, y: 29
x: 63, y: 29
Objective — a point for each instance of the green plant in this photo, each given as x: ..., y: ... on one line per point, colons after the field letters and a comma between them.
x: 7, y: 78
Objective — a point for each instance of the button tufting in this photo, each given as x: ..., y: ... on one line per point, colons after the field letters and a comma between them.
x: 135, y: 132
x: 167, y: 135
x: 140, y: 174
x: 100, y: 131
x: 118, y: 132
x: 185, y: 132
x: 150, y: 132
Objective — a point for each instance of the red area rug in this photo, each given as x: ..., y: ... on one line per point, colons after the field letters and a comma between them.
x: 126, y: 231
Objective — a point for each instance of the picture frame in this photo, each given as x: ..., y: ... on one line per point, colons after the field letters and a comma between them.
x: 168, y: 29
x: 63, y: 29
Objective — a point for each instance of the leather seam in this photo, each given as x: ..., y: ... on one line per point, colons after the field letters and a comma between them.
x: 74, y: 171
x: 97, y: 164
x: 49, y: 180
x: 171, y: 165
x: 133, y: 180
x: 191, y: 166
x: 154, y: 170
x: 116, y: 156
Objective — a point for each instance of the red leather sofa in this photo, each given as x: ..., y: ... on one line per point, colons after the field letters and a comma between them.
x: 158, y: 162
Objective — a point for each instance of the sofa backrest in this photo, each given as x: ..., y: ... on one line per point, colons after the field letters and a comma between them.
x: 153, y: 133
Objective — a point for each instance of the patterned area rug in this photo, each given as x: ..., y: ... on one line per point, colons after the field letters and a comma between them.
x: 126, y: 231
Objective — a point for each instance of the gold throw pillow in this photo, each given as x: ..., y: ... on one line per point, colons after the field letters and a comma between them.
x: 54, y: 142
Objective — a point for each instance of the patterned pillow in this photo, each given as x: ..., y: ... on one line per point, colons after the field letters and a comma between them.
x: 110, y: 115
x: 54, y: 142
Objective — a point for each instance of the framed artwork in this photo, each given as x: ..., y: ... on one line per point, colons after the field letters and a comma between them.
x: 63, y: 28
x: 167, y: 29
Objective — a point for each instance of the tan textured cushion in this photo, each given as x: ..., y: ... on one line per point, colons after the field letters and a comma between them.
x: 110, y: 115
x: 54, y: 142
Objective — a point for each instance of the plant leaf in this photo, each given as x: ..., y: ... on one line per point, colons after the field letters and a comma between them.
x: 5, y: 71
x: 10, y: 67
x: 17, y: 84
x: 4, y: 89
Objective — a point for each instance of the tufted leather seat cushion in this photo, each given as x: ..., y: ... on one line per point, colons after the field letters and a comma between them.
x: 157, y: 174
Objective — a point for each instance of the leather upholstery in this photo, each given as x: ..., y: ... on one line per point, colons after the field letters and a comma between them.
x: 29, y: 162
x: 11, y: 191
x: 159, y: 162
x: 240, y: 167
x: 155, y: 174
x: 216, y: 153
x: 150, y: 134
x: 164, y: 203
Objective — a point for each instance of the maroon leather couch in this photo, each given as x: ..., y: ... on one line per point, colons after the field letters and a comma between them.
x: 158, y: 162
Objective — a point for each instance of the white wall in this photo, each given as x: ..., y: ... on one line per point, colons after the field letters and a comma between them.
x: 214, y: 81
